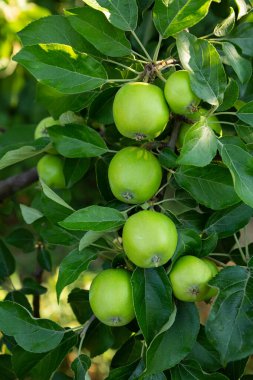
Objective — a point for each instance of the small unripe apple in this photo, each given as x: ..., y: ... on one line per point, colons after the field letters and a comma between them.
x: 179, y: 94
x: 140, y: 111
x: 50, y: 170
x: 149, y: 238
x: 111, y: 297
x: 189, y: 279
x: 134, y: 175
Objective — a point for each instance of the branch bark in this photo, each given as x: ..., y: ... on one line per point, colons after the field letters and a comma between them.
x: 15, y: 183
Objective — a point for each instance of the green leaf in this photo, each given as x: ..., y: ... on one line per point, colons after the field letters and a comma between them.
x: 77, y: 141
x: 122, y: 14
x: 151, y: 291
x: 225, y: 26
x: 98, y: 338
x: 95, y: 28
x: 167, y: 158
x: 207, y: 74
x: 63, y: 68
x: 31, y: 286
x: 95, y: 218
x: 34, y: 335
x: 72, y: 266
x: 89, y: 238
x: 55, y: 235
x: 188, y: 241
x: 80, y: 366
x: 187, y: 325
x: 242, y: 8
x: 227, y: 222
x: 245, y: 132
x: 6, y: 370
x: 235, y: 370
x: 42, y: 365
x: 80, y: 305
x: 57, y: 103
x: 7, y: 261
x: 245, y: 113
x: 200, y: 145
x: 230, y: 96
x: 49, y: 193
x: 171, y: 17
x: 53, y: 29
x: 122, y: 373
x: 44, y: 259
x: 204, y: 353
x: 21, y: 238
x: 101, y: 108
x: 242, y: 36
x: 211, y: 186
x: 75, y: 169
x: 129, y: 352
x: 19, y: 297
x: 241, y: 66
x: 17, y: 155
x: 191, y: 370
x: 30, y: 214
x: 240, y: 164
x: 230, y: 322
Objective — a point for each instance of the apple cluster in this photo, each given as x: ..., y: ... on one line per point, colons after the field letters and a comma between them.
x: 141, y: 112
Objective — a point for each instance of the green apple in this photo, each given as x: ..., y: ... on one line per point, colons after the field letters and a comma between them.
x: 189, y: 279
x: 140, y: 111
x: 211, y: 121
x: 213, y: 267
x: 149, y: 238
x: 134, y: 175
x: 111, y: 297
x: 179, y: 94
x: 50, y: 170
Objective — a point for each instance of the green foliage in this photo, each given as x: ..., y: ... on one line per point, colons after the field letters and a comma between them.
x: 80, y: 60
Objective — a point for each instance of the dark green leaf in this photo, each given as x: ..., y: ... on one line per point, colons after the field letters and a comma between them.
x: 122, y: 373
x: 80, y: 366
x: 54, y: 235
x: 77, y: 141
x: 230, y: 96
x: 101, y: 108
x: 241, y: 66
x: 191, y: 370
x: 20, y: 154
x: 72, y: 266
x: 230, y: 323
x: 95, y: 218
x: 240, y: 164
x: 229, y: 221
x: 211, y: 186
x: 151, y: 291
x: 167, y: 158
x: 208, y: 244
x: 44, y: 259
x: 187, y: 325
x: 30, y: 286
x: 235, y: 370
x: 170, y: 17
x: 98, y: 338
x: 245, y: 113
x: 245, y: 132
x: 7, y: 261
x: 122, y: 14
x: 79, y: 302
x: 200, y: 58
x: 18, y: 297
x: 188, y: 241
x: 57, y: 103
x: 102, y: 165
x: 200, y: 145
x: 30, y: 214
x: 63, y: 68
x: 130, y: 352
x: 242, y: 37
x: 21, y: 238
x: 95, y: 28
x: 6, y: 371
x: 75, y: 169
x: 204, y: 353
x: 225, y: 26
x: 34, y: 335
x: 42, y: 365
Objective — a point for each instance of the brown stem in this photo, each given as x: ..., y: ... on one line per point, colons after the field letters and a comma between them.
x: 38, y: 277
x: 13, y: 184
x: 175, y: 131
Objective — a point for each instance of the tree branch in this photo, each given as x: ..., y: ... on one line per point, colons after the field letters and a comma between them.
x: 13, y: 184
x: 174, y: 134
